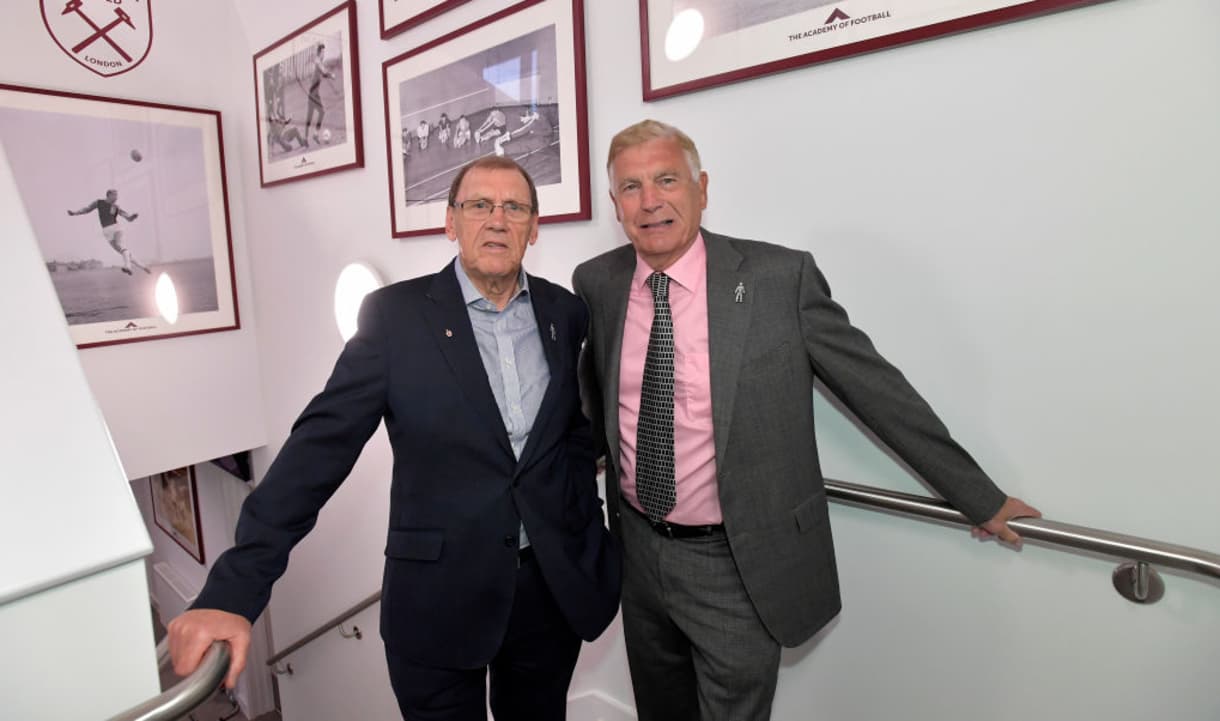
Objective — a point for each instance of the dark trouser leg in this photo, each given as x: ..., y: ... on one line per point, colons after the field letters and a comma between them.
x: 437, y: 694
x: 531, y: 673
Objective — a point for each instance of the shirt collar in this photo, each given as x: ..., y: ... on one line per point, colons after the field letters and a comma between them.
x: 471, y: 294
x: 687, y: 271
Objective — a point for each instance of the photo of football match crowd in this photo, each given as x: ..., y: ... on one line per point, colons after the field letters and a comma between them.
x: 500, y: 101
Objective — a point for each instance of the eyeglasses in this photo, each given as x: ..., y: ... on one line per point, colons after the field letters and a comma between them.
x: 482, y: 208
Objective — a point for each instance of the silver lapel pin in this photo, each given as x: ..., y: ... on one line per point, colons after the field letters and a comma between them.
x: 739, y: 293
x: 553, y: 332
x: 448, y: 333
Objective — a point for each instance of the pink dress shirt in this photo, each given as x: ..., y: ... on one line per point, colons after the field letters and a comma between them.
x: 694, y: 443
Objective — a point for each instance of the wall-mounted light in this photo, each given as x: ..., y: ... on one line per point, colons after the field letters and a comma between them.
x: 684, y: 34
x: 166, y: 296
x: 355, y: 281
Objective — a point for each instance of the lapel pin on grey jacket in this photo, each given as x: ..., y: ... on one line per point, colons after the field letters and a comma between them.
x: 739, y: 293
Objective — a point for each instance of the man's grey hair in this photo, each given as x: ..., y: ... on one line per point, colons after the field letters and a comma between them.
x: 647, y: 130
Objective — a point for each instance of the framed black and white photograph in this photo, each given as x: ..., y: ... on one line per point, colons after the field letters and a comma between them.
x: 308, y: 101
x: 689, y: 45
x: 175, y: 503
x: 512, y: 84
x: 399, y: 15
x: 128, y: 202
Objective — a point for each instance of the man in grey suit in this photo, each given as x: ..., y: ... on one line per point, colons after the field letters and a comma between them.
x: 699, y: 372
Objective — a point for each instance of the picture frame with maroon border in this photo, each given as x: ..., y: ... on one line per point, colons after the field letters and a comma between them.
x: 307, y: 100
x: 512, y: 83
x: 175, y: 506
x: 157, y: 261
x: 399, y: 15
x: 689, y: 45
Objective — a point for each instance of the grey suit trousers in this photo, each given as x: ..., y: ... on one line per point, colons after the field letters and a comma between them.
x: 695, y: 644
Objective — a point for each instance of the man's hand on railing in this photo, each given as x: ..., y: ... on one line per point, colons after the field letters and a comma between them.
x: 192, y: 633
x: 998, y: 525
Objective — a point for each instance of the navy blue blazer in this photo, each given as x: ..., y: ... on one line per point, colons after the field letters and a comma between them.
x: 458, y: 493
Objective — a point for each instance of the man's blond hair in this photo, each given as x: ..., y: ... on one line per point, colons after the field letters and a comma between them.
x: 646, y: 130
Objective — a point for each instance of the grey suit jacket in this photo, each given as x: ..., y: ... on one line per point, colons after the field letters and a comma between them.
x: 764, y: 354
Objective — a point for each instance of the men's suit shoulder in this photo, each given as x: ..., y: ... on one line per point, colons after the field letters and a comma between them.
x: 750, y: 246
x: 403, y: 291
x: 609, y: 256
x: 761, y: 255
x: 590, y: 272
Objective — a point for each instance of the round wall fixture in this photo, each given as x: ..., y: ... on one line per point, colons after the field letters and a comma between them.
x: 355, y: 281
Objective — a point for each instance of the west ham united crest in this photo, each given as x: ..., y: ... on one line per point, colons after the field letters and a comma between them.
x: 107, y: 36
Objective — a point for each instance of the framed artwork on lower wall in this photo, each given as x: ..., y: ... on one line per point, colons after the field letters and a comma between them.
x: 175, y: 503
x: 512, y: 84
x: 129, y: 204
x: 689, y: 45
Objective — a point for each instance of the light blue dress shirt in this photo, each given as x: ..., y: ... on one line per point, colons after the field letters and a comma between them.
x: 511, y: 348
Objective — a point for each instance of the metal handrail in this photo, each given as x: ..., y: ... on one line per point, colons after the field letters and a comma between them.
x: 184, y: 696
x: 1119, y: 545
x: 333, y: 623
x: 1094, y: 540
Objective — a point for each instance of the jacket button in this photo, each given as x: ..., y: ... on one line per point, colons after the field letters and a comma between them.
x: 510, y: 541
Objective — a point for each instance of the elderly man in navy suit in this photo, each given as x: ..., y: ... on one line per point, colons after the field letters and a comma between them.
x: 497, y: 559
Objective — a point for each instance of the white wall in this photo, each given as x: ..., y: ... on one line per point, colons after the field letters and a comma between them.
x: 67, y: 511
x: 71, y: 586
x: 173, y: 402
x: 80, y: 651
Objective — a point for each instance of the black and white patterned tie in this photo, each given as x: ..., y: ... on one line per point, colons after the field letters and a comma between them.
x: 654, y: 467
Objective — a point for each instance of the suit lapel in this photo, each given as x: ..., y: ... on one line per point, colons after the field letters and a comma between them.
x: 728, y: 320
x: 615, y: 291
x: 449, y: 324
x: 549, y: 333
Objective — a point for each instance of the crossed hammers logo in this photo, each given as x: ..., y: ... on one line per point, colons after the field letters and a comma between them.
x: 99, y: 33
